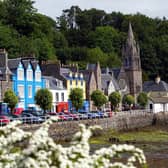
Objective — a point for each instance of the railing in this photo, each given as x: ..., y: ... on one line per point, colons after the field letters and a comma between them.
x: 41, y: 119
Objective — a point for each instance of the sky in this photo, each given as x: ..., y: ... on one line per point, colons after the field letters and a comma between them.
x: 152, y: 8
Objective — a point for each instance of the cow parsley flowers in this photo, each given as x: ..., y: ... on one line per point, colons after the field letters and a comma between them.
x: 20, y: 149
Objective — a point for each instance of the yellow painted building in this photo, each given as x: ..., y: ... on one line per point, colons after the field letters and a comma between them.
x: 76, y: 80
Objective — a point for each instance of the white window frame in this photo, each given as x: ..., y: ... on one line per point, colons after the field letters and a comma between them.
x: 21, y: 91
x: 29, y: 75
x: 37, y: 88
x: 30, y: 91
x: 62, y: 97
x: 47, y: 84
x: 38, y: 76
x: 20, y: 74
x: 57, y: 97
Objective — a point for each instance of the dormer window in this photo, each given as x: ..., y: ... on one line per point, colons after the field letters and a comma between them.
x: 70, y: 74
x: 29, y: 75
x: 20, y: 74
x: 76, y: 75
x: 38, y: 76
x: 81, y: 76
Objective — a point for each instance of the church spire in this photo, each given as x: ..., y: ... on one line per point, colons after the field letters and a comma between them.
x: 130, y: 39
x: 130, y: 32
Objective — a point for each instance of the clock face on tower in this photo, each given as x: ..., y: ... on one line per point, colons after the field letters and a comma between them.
x: 122, y: 84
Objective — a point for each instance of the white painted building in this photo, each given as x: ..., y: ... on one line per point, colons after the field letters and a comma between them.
x: 158, y: 95
x: 58, y: 91
x: 157, y: 105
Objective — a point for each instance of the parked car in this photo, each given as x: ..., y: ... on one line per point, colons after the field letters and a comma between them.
x: 31, y: 119
x: 18, y: 111
x: 64, y: 117
x: 98, y: 114
x: 73, y: 115
x: 4, y: 120
x: 37, y: 113
x: 92, y: 115
x: 82, y: 115
x: 14, y: 117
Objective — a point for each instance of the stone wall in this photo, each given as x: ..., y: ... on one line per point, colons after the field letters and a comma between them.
x: 120, y: 121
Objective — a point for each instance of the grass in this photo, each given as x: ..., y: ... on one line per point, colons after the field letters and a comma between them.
x: 149, y: 134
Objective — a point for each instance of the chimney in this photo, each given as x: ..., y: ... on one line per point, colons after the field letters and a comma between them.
x: 157, y: 79
x: 3, y: 58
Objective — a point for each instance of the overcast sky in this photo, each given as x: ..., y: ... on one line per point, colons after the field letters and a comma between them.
x: 152, y: 8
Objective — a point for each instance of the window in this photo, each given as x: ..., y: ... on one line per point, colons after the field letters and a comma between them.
x: 38, y: 76
x: 30, y: 91
x: 21, y: 91
x: 70, y: 82
x: 20, y: 74
x: 38, y: 88
x: 62, y: 96
x: 47, y: 84
x: 29, y: 75
x: 56, y: 97
x: 81, y: 82
x: 76, y: 82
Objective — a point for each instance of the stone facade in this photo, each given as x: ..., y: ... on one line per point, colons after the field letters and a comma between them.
x: 131, y: 68
x: 5, y: 74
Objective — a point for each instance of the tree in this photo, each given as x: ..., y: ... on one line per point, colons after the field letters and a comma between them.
x: 142, y: 99
x: 76, y: 97
x: 98, y: 98
x: 11, y: 99
x: 128, y: 100
x: 107, y: 38
x: 19, y: 14
x: 44, y: 99
x: 115, y: 99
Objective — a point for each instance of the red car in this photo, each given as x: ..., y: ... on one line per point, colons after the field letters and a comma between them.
x: 4, y: 120
x: 74, y: 116
x: 61, y: 116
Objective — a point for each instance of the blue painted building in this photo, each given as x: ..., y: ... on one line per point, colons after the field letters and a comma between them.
x: 27, y: 79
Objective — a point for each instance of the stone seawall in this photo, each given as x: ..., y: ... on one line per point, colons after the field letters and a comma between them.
x: 119, y: 121
x: 161, y: 118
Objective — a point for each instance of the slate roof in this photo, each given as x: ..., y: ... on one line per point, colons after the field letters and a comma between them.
x: 106, y: 78
x: 53, y: 83
x: 153, y: 86
x: 159, y: 99
x: 91, y: 67
x: 64, y: 70
x: 25, y: 63
x: 34, y: 64
x: 13, y: 63
x: 2, y: 70
x: 87, y: 75
x: 116, y: 72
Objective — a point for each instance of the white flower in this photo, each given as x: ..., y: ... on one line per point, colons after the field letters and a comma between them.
x: 42, y: 152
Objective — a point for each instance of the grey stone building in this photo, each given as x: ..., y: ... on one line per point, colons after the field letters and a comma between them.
x: 131, y: 72
x: 5, y: 74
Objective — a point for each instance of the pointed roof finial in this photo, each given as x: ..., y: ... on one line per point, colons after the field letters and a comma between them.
x: 130, y: 32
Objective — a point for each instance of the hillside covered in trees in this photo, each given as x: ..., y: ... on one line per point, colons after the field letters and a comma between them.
x: 82, y: 36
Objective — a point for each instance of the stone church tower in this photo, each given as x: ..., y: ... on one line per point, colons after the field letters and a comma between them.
x: 132, y: 64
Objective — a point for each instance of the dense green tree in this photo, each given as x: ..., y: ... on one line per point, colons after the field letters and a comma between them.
x: 107, y: 38
x: 98, y: 98
x: 44, y: 99
x: 19, y: 14
x: 128, y: 100
x: 76, y: 97
x: 115, y: 99
x: 142, y: 99
x: 11, y: 99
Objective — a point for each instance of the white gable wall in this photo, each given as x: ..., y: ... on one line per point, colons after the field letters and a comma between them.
x: 158, y: 107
